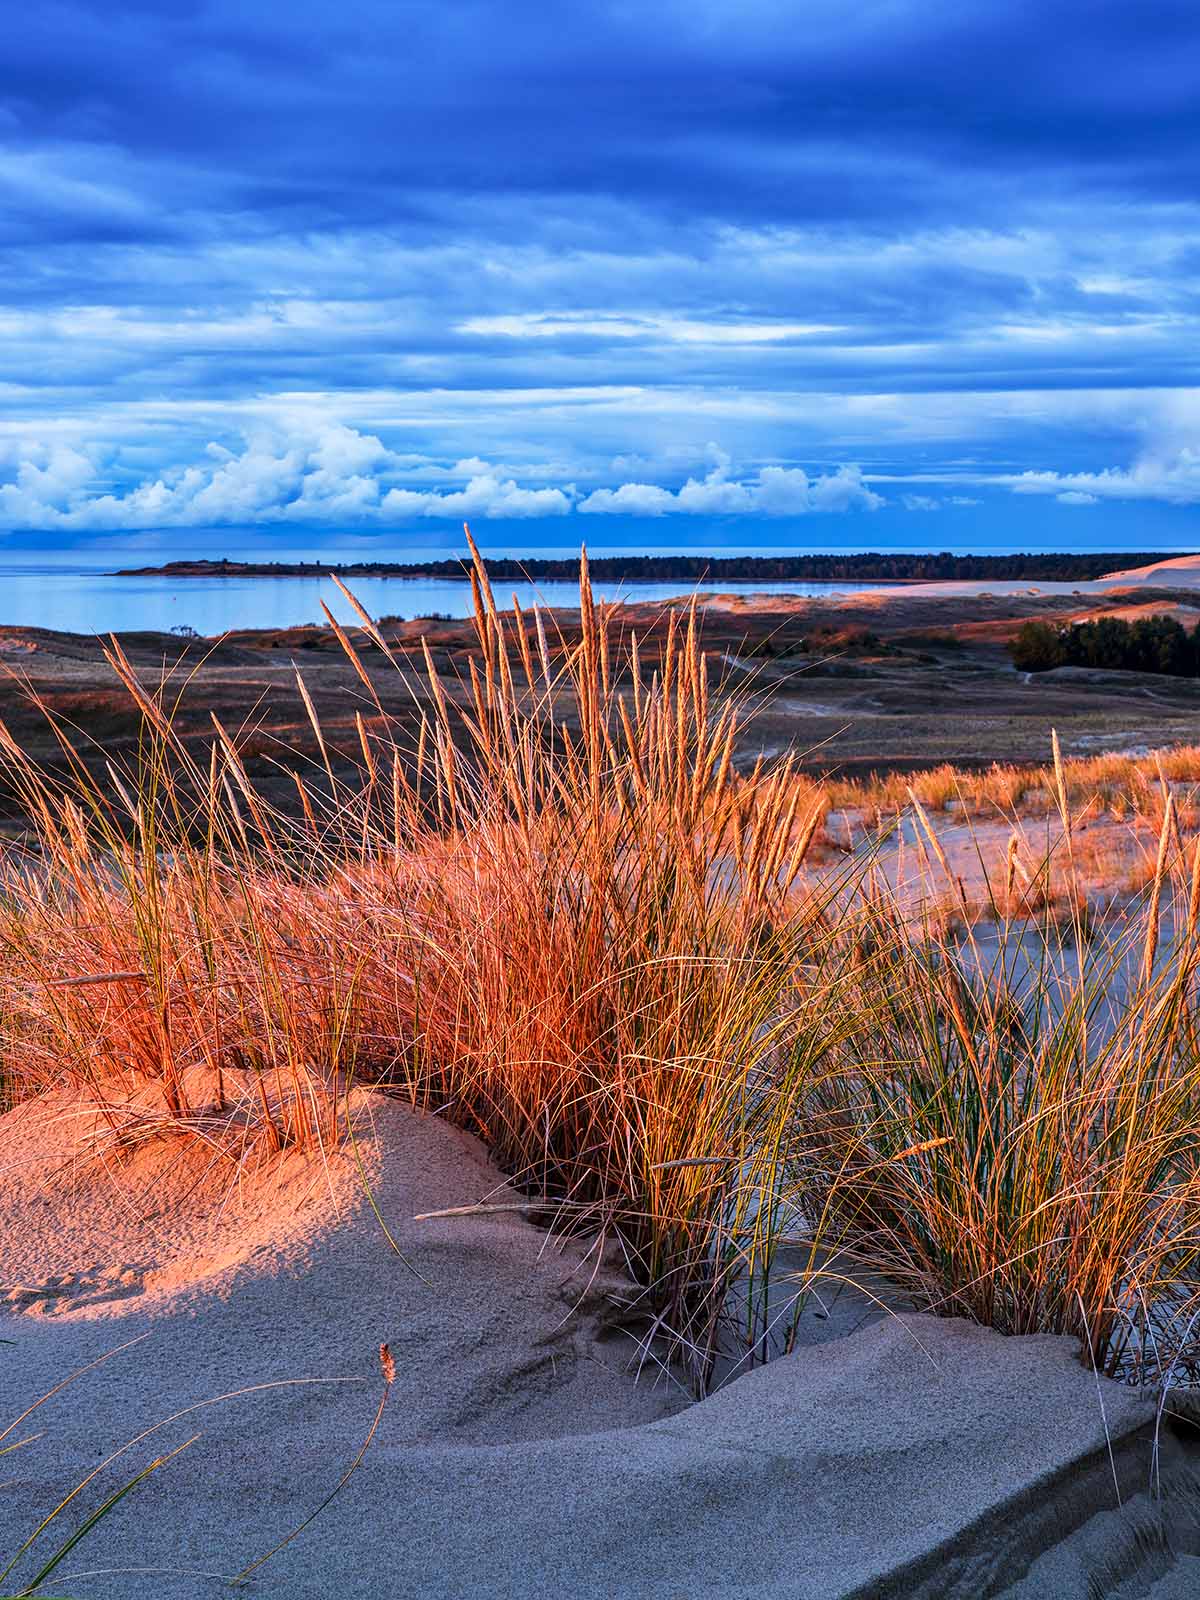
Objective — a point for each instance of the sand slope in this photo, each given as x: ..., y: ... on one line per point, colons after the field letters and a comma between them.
x: 1180, y: 572
x: 916, y: 1458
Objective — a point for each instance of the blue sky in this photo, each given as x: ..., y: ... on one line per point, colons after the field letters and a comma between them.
x: 800, y: 273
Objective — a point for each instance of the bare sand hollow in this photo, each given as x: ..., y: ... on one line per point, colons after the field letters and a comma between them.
x: 517, y: 1456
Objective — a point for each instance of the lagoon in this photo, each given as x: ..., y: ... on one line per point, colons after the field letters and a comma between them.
x: 91, y: 600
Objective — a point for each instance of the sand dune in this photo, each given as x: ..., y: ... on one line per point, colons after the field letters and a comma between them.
x: 1180, y: 572
x: 917, y: 1457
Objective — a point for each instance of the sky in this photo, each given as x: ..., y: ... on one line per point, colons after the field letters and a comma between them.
x: 739, y: 273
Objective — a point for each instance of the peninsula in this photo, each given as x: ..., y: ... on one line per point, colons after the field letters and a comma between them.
x: 871, y: 567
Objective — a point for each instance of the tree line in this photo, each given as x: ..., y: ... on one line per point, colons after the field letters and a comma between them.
x: 1150, y: 644
x: 878, y: 567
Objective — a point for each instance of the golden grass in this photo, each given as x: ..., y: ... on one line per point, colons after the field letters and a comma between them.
x: 590, y: 941
x: 577, y: 941
x: 1125, y: 785
x: 1014, y: 1142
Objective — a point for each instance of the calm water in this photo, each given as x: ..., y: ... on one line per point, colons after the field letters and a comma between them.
x: 90, y: 601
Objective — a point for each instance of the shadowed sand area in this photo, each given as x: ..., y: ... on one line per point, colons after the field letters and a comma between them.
x: 517, y: 1455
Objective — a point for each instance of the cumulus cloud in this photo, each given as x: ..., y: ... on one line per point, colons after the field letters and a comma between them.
x: 485, y: 495
x: 1172, y: 477
x: 331, y: 473
x: 773, y: 491
x: 49, y: 475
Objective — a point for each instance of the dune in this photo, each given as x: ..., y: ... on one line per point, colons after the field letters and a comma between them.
x: 1179, y: 572
x: 519, y: 1453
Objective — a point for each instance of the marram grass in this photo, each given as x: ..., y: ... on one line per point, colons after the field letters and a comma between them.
x: 564, y: 919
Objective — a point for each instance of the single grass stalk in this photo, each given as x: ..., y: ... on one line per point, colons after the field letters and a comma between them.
x: 388, y: 1368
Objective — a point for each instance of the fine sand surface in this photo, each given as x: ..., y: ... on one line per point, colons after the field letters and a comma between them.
x: 913, y: 1457
x: 1183, y: 570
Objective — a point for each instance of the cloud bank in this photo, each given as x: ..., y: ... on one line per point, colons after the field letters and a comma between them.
x: 336, y: 475
x: 1171, y: 480
x: 324, y: 473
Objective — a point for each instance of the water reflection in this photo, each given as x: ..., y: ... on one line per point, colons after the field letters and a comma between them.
x: 83, y: 601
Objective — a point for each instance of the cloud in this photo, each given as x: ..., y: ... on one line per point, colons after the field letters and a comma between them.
x: 931, y: 353
x: 689, y: 109
x: 49, y: 475
x: 485, y: 495
x: 653, y: 327
x: 1172, y: 478
x: 632, y: 500
x: 332, y: 473
x: 920, y: 502
x: 773, y: 492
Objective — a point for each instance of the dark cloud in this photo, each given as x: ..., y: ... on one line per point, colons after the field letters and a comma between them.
x: 878, y: 111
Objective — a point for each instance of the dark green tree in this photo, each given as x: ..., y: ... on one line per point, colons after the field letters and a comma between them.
x: 1037, y: 647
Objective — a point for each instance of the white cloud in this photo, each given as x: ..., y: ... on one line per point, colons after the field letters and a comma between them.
x: 325, y: 473
x: 321, y: 471
x: 775, y: 491
x: 485, y: 495
x: 644, y: 325
x: 302, y: 466
x: 631, y: 500
x: 1173, y: 477
x: 50, y: 474
x: 313, y: 471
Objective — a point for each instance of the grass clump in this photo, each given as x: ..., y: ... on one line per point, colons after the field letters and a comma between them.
x: 1124, y: 784
x: 560, y: 917
x: 1012, y: 1143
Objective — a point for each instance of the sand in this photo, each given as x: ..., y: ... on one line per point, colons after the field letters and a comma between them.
x: 910, y: 1456
x: 1181, y: 572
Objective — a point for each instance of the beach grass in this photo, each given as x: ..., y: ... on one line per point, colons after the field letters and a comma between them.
x: 564, y: 919
x: 1122, y: 784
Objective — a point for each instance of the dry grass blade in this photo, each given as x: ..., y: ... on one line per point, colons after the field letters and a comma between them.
x: 388, y: 1369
